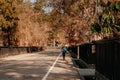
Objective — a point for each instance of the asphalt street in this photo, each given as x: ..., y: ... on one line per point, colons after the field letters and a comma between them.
x: 46, y: 65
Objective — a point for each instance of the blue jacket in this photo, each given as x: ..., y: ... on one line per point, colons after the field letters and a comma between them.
x: 64, y: 50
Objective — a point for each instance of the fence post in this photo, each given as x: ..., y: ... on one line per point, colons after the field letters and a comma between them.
x: 78, y: 52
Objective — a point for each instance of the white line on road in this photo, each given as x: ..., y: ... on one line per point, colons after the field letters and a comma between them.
x: 53, y: 65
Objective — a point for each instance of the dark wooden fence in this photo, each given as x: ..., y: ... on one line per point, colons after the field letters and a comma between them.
x: 86, y: 55
x: 108, y: 58
x: 86, y: 52
x: 73, y: 51
x: 105, y: 54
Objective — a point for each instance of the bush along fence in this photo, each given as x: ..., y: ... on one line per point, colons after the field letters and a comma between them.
x: 105, y: 54
x: 6, y: 51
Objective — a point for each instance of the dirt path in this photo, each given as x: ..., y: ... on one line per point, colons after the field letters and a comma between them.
x: 37, y: 66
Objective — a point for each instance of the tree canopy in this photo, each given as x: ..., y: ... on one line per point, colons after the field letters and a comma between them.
x: 8, y: 19
x: 108, y: 20
x: 65, y: 21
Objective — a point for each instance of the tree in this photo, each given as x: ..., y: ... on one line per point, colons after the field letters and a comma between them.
x: 77, y: 16
x: 8, y: 20
x: 108, y: 21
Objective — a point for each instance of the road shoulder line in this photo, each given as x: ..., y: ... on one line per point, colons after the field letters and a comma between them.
x: 53, y: 65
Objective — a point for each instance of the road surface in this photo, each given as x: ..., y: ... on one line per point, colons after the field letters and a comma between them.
x: 47, y: 65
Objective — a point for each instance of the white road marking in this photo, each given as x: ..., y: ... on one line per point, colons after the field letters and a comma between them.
x: 53, y: 65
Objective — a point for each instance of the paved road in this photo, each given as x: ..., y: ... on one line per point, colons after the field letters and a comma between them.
x: 47, y: 65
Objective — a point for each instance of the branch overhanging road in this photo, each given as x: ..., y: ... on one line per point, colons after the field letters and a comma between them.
x: 47, y: 65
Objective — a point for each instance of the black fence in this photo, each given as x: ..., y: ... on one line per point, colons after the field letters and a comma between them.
x: 105, y: 54
x: 73, y: 51
x: 86, y: 52
x: 108, y: 58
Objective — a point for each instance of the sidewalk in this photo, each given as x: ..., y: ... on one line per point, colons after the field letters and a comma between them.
x: 64, y: 70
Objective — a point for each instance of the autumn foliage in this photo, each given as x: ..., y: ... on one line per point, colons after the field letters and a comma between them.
x: 45, y: 22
